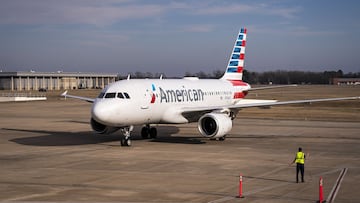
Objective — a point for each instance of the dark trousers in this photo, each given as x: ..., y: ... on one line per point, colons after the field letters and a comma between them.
x: 300, y: 167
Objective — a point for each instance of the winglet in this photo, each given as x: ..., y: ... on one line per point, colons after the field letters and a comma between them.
x: 64, y: 93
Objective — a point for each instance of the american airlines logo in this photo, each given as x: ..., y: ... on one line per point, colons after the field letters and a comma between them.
x: 180, y: 95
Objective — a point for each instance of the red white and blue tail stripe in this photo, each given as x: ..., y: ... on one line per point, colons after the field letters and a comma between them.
x: 235, y: 67
x: 234, y: 70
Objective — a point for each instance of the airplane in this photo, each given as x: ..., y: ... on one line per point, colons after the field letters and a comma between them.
x: 213, y: 103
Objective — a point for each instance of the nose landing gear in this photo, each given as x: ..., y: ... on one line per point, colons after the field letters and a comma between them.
x: 126, y: 141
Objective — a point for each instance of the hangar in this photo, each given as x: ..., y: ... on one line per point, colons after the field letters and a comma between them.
x: 23, y: 80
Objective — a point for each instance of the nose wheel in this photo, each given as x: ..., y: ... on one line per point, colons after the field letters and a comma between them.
x: 126, y: 141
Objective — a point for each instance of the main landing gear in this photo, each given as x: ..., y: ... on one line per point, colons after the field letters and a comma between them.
x: 146, y: 132
x: 220, y: 138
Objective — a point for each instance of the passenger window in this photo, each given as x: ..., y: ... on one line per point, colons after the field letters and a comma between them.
x: 101, y: 95
x: 126, y: 95
x: 110, y: 95
x: 120, y: 95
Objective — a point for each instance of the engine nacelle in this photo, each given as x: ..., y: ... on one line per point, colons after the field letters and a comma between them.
x: 102, y: 129
x: 214, y: 125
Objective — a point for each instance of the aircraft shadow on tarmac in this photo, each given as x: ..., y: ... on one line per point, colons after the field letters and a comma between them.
x: 167, y: 134
x: 178, y: 140
x: 75, y: 121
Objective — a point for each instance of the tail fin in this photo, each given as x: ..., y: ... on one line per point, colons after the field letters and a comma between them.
x: 234, y: 70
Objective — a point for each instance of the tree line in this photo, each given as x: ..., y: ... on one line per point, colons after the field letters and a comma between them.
x: 267, y: 77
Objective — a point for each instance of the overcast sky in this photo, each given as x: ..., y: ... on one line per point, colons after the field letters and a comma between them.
x: 174, y: 37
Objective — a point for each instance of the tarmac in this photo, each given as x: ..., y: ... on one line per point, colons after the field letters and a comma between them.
x: 48, y: 153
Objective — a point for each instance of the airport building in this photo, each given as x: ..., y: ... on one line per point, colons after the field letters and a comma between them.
x: 20, y: 80
x: 346, y: 81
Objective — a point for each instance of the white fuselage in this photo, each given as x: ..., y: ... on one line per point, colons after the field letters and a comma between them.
x: 151, y: 101
x: 213, y: 103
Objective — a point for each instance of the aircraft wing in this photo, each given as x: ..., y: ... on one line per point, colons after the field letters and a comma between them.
x: 193, y: 114
x: 265, y: 104
x: 77, y: 97
x: 271, y: 87
x: 247, y: 103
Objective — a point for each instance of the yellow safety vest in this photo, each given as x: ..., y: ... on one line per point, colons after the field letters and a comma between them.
x: 300, y: 158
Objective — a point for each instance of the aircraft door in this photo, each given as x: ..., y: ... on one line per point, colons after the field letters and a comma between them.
x: 146, y: 99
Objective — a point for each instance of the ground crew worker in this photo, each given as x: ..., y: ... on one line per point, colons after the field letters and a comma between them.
x: 300, y: 161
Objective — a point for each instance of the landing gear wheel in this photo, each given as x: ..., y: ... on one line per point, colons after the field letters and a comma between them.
x: 222, y: 138
x: 145, y: 133
x: 153, y: 132
x: 219, y: 139
x: 126, y: 141
x: 232, y: 115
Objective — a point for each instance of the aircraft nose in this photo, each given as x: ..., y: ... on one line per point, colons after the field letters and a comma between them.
x: 101, y: 112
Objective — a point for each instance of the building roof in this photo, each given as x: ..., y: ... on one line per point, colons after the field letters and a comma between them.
x: 55, y: 74
x: 347, y: 79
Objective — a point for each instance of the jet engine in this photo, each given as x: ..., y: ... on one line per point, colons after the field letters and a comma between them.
x: 214, y: 125
x: 102, y: 129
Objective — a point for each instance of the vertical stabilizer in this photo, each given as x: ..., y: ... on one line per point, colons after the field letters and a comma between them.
x: 234, y: 70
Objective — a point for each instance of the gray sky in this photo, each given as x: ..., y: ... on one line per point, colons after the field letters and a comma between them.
x: 173, y: 37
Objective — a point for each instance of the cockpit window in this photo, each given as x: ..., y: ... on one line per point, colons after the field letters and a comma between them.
x: 123, y: 95
x: 101, y: 95
x: 120, y: 95
x: 110, y: 95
